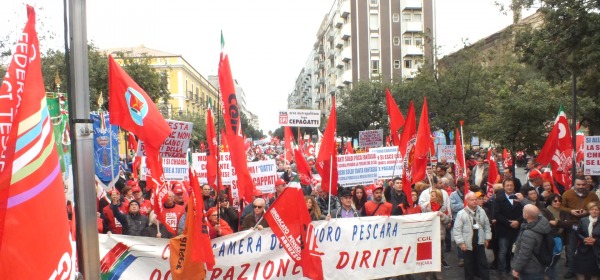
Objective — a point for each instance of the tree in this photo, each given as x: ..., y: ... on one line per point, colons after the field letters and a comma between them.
x: 361, y: 108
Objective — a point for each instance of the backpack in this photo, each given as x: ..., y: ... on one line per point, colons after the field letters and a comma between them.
x: 545, y: 252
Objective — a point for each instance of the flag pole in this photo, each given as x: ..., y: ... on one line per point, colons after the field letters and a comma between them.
x: 462, y: 143
x: 330, y: 185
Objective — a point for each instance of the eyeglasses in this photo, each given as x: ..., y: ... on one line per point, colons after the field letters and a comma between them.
x: 556, y: 200
x: 256, y: 206
x: 214, y: 215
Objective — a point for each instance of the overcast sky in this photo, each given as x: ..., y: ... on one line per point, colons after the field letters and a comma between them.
x: 268, y: 41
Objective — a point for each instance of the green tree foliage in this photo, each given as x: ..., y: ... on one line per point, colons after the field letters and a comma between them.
x: 361, y: 108
x: 567, y: 43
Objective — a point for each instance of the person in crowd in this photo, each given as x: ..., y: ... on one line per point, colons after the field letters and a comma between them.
x: 280, y: 185
x: 326, y: 201
x: 227, y: 212
x: 255, y: 219
x: 172, y: 211
x: 558, y: 224
x: 207, y: 198
x: 529, y: 167
x: 376, y: 206
x: 217, y: 227
x: 313, y: 208
x: 127, y: 193
x: 249, y: 208
x: 396, y: 197
x: 479, y: 174
x: 457, y: 204
x: 533, y: 197
x: 420, y: 186
x: 573, y: 203
x: 179, y: 192
x: 347, y: 209
x: 415, y: 198
x: 442, y: 172
x: 288, y: 174
x: 305, y: 184
x: 133, y: 222
x: 155, y: 228
x: 524, y: 264
x: 472, y: 232
x: 547, y: 186
x: 508, y: 174
x: 424, y: 198
x: 535, y: 182
x: 436, y: 205
x: 508, y: 213
x: 145, y: 204
x: 359, y: 197
x: 111, y: 223
x: 587, y: 258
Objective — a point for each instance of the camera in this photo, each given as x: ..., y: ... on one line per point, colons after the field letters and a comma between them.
x: 512, y: 196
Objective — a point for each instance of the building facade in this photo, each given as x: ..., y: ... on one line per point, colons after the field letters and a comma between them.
x: 363, y: 40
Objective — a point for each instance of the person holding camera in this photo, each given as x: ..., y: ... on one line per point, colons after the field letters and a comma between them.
x: 573, y: 203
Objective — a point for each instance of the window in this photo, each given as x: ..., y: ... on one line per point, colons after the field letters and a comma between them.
x: 406, y: 17
x: 374, y: 21
x: 407, y: 63
x: 407, y: 40
x: 396, y: 17
x: 396, y: 64
x: 374, y: 43
x: 416, y: 17
x: 374, y: 2
x: 418, y: 40
x: 374, y: 66
x: 396, y: 41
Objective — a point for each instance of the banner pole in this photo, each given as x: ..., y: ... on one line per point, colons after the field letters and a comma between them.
x: 330, y: 185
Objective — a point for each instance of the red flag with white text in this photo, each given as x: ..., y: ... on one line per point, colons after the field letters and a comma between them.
x: 35, y: 240
x: 558, y: 150
x: 407, y: 150
x: 326, y: 163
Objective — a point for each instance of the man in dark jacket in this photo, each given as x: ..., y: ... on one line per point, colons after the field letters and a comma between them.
x: 133, y: 222
x: 508, y: 213
x: 524, y: 264
x: 395, y: 196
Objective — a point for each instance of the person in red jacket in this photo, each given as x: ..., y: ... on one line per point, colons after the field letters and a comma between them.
x: 145, y: 204
x: 173, y: 212
x: 113, y: 224
x: 377, y: 207
x: 217, y: 227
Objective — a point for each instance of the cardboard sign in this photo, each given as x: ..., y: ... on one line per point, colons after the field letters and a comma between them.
x: 447, y: 152
x: 177, y: 143
x: 370, y: 138
x: 300, y: 118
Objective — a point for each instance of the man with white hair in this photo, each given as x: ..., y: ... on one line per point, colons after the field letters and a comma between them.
x: 255, y: 219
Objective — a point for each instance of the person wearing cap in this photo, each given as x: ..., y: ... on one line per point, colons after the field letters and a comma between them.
x: 255, y: 219
x: 133, y: 222
x: 376, y: 206
x: 179, y: 193
x: 112, y: 224
x: 172, y: 211
x: 206, y: 198
x: 248, y: 208
x: 216, y: 227
x: 346, y: 210
x: 574, y: 202
x: 227, y: 212
x: 145, y: 204
x: 472, y: 233
x: 280, y: 185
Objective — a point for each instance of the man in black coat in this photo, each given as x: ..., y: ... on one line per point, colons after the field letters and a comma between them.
x: 508, y: 213
x: 508, y: 174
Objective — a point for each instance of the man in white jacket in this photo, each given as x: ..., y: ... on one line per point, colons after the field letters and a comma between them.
x: 472, y: 233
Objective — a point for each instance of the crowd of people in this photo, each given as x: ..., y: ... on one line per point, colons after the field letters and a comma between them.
x: 510, y: 218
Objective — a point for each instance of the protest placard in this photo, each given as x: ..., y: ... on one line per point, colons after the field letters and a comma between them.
x: 199, y: 164
x: 389, y: 162
x: 370, y: 138
x: 353, y: 248
x: 357, y: 169
x: 591, y: 156
x: 447, y: 152
x: 263, y: 173
x: 300, y: 118
x: 177, y: 143
x: 175, y: 169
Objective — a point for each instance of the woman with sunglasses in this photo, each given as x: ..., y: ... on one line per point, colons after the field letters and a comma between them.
x: 558, y: 224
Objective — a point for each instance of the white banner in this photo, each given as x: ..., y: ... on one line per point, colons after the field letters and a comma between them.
x: 387, y: 167
x: 370, y: 138
x: 199, y: 164
x: 175, y: 169
x: 591, y: 156
x: 177, y: 143
x: 300, y: 118
x: 357, y: 169
x: 263, y: 173
x: 353, y: 248
x: 447, y: 152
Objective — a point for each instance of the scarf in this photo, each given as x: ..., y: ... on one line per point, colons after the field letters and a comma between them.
x: 592, y: 224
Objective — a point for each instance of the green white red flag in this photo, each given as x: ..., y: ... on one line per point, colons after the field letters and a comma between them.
x: 35, y: 241
x: 558, y: 150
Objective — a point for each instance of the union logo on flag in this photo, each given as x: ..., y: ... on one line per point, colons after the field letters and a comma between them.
x: 138, y: 109
x: 424, y: 248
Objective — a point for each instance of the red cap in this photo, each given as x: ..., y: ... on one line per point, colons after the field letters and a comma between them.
x: 280, y: 182
x: 178, y: 189
x: 257, y: 193
x: 534, y: 173
x: 113, y: 191
x: 132, y: 183
x: 136, y: 188
x: 211, y: 211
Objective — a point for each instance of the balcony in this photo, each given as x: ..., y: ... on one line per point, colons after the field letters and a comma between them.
x: 345, y: 8
x: 412, y: 26
x: 339, y: 43
x: 413, y: 5
x: 412, y: 50
x: 338, y: 21
x: 339, y: 63
x: 347, y: 77
x: 346, y: 32
x: 347, y: 54
x: 331, y: 54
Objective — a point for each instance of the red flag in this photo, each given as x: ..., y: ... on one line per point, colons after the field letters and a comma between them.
x: 233, y: 127
x: 326, y: 163
x: 289, y: 139
x: 423, y: 146
x: 558, y: 150
x: 492, y: 173
x: 131, y: 142
x: 301, y: 141
x: 155, y: 181
x: 579, y: 138
x: 212, y: 152
x: 349, y: 149
x: 34, y: 229
x: 395, y: 117
x: 547, y: 177
x: 132, y: 109
x: 289, y: 219
x: 301, y: 164
x: 224, y: 142
x: 407, y: 150
x: 202, y: 147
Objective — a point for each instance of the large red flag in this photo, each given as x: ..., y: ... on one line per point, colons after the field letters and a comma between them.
x: 289, y: 219
x: 492, y: 173
x: 212, y: 151
x: 327, y: 159
x: 233, y: 127
x: 301, y: 164
x: 395, y: 117
x: 132, y: 109
x: 35, y: 241
x: 155, y: 182
x: 423, y: 146
x: 558, y: 150
x: 407, y: 150
x: 288, y: 139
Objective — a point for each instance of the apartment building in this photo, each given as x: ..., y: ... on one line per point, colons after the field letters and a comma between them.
x: 360, y: 40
